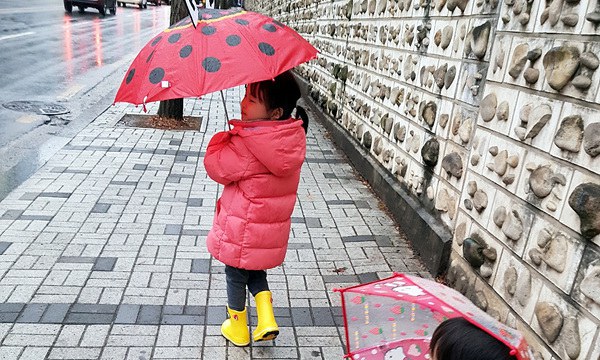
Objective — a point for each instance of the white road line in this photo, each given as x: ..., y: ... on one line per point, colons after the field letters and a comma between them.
x: 7, y: 37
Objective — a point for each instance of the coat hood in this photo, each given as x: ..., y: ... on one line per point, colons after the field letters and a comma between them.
x: 280, y: 145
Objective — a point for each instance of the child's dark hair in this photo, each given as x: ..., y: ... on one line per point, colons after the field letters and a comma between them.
x: 282, y: 92
x: 458, y: 339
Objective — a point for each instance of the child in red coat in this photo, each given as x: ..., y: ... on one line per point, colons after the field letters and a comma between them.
x: 258, y: 162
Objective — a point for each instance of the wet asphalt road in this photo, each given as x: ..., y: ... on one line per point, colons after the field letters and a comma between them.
x: 52, y: 61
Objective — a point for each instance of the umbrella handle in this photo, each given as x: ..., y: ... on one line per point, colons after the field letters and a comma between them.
x: 225, y: 107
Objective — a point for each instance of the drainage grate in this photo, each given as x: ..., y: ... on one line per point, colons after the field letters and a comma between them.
x: 38, y: 107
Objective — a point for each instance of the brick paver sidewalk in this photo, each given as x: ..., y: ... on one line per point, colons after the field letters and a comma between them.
x: 102, y: 251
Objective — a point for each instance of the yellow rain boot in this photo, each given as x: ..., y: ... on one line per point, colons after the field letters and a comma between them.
x: 235, y: 329
x: 267, y: 327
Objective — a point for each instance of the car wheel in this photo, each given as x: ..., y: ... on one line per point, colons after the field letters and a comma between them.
x: 113, y: 10
x: 103, y: 9
x: 68, y: 6
x: 81, y: 9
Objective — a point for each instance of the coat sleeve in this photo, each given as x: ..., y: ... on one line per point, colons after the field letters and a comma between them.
x: 225, y: 160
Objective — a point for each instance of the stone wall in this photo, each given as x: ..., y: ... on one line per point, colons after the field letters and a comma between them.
x: 488, y: 114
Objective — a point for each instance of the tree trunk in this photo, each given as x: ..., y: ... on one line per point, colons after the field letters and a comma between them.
x: 174, y: 108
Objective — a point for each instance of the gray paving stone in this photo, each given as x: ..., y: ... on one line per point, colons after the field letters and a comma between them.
x: 357, y: 238
x: 383, y: 241
x: 313, y: 223
x: 94, y: 308
x: 201, y: 266
x: 124, y: 183
x: 339, y: 202
x: 89, y: 318
x: 149, y: 315
x: 104, y: 264
x: 323, y: 161
x: 77, y: 259
x: 11, y: 214
x: 4, y: 246
x: 173, y: 229
x: 32, y: 313
x: 100, y: 208
x: 302, y: 317
x: 140, y: 167
x: 182, y: 320
x: 194, y: 310
x: 175, y: 142
x: 59, y: 195
x: 128, y: 314
x: 333, y: 279
x: 55, y: 313
x: 215, y: 315
x: 367, y: 277
x: 322, y: 317
x: 36, y: 217
x: 29, y: 196
x: 195, y: 202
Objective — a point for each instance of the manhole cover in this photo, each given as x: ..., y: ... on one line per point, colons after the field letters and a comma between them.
x: 38, y: 107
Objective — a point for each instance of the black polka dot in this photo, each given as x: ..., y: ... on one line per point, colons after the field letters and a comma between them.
x: 278, y: 23
x: 211, y: 64
x: 130, y: 76
x: 156, y: 75
x: 174, y: 38
x: 150, y: 56
x: 233, y: 40
x: 269, y: 27
x: 185, y: 51
x: 209, y: 30
x: 242, y: 21
x: 266, y: 49
x: 156, y: 40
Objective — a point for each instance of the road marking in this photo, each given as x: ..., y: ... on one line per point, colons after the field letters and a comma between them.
x: 68, y: 93
x: 7, y: 37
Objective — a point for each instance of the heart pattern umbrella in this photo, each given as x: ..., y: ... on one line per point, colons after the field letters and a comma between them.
x: 227, y: 48
x: 394, y: 318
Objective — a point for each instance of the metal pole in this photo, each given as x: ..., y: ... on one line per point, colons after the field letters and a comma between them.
x: 225, y: 107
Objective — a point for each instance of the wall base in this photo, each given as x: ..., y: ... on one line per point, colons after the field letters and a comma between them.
x: 430, y: 239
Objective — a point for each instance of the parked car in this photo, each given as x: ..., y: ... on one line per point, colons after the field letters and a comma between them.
x: 103, y: 6
x: 141, y: 3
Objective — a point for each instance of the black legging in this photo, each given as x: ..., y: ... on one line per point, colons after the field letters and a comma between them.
x: 238, y: 280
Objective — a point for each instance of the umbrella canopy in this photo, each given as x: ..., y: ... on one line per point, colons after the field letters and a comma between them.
x: 394, y: 318
x: 227, y: 48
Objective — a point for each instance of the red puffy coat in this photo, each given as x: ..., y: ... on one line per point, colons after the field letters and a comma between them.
x: 259, y: 163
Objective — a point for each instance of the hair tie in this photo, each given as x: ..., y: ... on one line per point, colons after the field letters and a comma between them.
x: 513, y: 352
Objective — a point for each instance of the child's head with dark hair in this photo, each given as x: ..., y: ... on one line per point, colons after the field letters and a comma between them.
x: 458, y: 339
x: 278, y: 96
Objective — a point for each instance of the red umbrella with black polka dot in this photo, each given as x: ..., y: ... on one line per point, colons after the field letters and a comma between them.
x: 227, y: 48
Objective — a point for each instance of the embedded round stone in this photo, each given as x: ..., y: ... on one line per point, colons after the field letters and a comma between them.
x: 211, y: 64
x: 130, y: 76
x: 266, y: 49
x: 185, y: 51
x: 270, y: 27
x: 156, y: 75
x: 233, y: 40
x: 174, y: 38
x: 209, y: 30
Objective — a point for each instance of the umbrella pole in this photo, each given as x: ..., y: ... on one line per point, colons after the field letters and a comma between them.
x: 225, y: 107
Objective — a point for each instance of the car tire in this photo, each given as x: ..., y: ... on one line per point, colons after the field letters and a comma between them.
x: 113, y: 10
x: 103, y: 9
x: 68, y: 6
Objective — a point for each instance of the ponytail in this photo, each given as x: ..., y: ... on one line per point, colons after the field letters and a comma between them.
x: 301, y: 113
